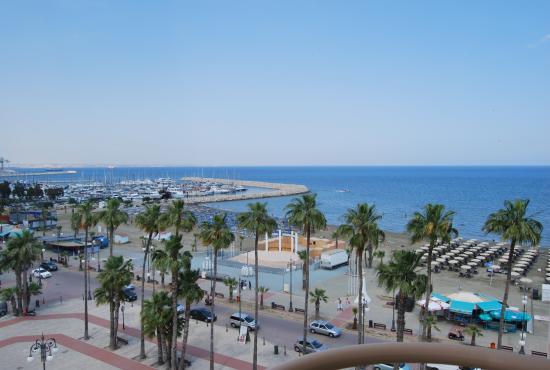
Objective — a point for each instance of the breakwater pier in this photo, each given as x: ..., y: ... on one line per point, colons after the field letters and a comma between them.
x: 271, y: 190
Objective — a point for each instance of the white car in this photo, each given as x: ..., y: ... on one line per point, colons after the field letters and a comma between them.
x: 41, y: 273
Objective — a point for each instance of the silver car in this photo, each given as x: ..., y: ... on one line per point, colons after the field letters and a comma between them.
x: 243, y: 319
x: 324, y: 327
x: 312, y: 346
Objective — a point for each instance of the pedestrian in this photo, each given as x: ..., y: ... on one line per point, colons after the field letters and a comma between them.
x: 339, y: 305
x: 249, y: 285
x: 347, y: 301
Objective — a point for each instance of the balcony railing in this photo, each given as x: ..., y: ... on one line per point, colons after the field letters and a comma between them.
x: 369, y: 354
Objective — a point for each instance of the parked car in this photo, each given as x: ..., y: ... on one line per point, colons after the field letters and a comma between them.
x: 324, y: 327
x: 243, y: 319
x: 41, y: 273
x: 312, y: 345
x: 49, y: 266
x: 202, y: 314
x: 3, y: 308
x: 390, y: 367
x: 130, y: 293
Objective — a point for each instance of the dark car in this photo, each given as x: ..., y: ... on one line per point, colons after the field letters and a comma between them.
x: 130, y: 293
x: 49, y: 266
x: 202, y: 314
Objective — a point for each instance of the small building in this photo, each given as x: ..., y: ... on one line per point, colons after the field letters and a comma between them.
x: 121, y: 238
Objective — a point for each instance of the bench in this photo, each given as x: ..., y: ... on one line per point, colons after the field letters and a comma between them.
x: 276, y: 306
x: 408, y: 331
x: 122, y: 340
x: 541, y: 354
x: 299, y: 310
x: 379, y: 326
x: 219, y: 295
x: 507, y: 348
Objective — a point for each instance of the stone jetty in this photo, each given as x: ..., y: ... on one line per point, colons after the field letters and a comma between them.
x: 272, y: 190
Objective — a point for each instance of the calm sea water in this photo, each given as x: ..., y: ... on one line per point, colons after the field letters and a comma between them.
x: 472, y: 192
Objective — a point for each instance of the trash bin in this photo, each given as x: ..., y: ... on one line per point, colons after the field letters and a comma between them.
x: 37, y: 303
x: 370, y: 324
x: 276, y: 349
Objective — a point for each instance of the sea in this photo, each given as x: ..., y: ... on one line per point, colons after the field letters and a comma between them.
x: 472, y: 192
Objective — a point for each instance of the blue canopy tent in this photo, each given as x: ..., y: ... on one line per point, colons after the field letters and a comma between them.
x: 489, y: 306
x: 511, y: 316
x: 461, y: 311
x: 441, y: 297
x: 485, y: 317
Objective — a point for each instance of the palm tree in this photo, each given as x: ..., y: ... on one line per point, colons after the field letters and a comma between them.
x: 431, y: 323
x: 191, y: 292
x: 302, y: 255
x: 262, y: 290
x: 219, y: 236
x: 318, y: 296
x: 257, y: 221
x: 150, y: 222
x: 44, y: 213
x: 9, y: 294
x: 474, y: 331
x: 181, y: 219
x: 230, y: 283
x: 87, y: 220
x: 32, y: 290
x: 380, y: 254
x: 161, y: 263
x: 432, y: 225
x: 512, y: 223
x: 303, y: 213
x: 361, y: 230
x: 112, y: 216
x: 401, y: 274
x: 155, y: 315
x: 116, y: 274
x: 75, y: 222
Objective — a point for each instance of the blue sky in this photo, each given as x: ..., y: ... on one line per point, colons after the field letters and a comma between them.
x: 275, y: 82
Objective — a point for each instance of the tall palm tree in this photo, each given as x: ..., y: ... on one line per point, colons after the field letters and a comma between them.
x: 156, y: 314
x: 257, y: 221
x: 433, y: 224
x: 75, y: 222
x: 112, y: 216
x: 431, y: 323
x: 380, y: 254
x: 190, y: 292
x: 318, y: 296
x: 116, y: 274
x: 182, y: 220
x: 262, y: 290
x: 219, y: 236
x: 87, y: 220
x: 150, y: 222
x: 514, y: 224
x: 401, y: 274
x: 303, y: 213
x: 361, y: 229
x: 376, y: 236
x: 161, y: 263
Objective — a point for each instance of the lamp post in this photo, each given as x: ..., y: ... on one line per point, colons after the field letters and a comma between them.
x: 523, y: 322
x: 291, y: 264
x: 46, y: 347
x: 122, y: 310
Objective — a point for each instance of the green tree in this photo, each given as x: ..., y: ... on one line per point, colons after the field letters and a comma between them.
x: 32, y: 290
x: 361, y: 230
x: 219, y: 236
x: 380, y: 254
x: 303, y: 213
x: 512, y: 223
x: 182, y: 220
x: 231, y: 284
x: 9, y: 295
x: 262, y: 290
x: 112, y: 217
x: 317, y: 296
x: 433, y: 225
x: 5, y: 190
x: 75, y: 222
x: 45, y: 215
x: 431, y: 323
x: 190, y: 291
x: 116, y: 274
x: 149, y: 221
x: 161, y: 263
x: 474, y: 331
x: 401, y: 274
x: 256, y: 220
x: 156, y: 314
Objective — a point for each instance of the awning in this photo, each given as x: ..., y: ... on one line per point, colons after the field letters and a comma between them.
x: 485, y: 317
x: 489, y: 306
x: 441, y: 297
x: 465, y: 308
x: 511, y: 316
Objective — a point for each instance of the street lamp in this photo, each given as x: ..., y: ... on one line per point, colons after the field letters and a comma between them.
x: 122, y: 310
x: 291, y: 264
x: 46, y: 347
x: 523, y: 322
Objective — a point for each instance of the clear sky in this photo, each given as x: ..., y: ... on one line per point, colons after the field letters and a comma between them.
x: 275, y: 82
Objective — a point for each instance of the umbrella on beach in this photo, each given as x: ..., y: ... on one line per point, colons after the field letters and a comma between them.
x: 525, y: 280
x: 472, y: 263
x: 518, y: 269
x: 466, y: 267
x: 442, y: 260
x: 454, y: 262
x: 514, y: 274
x: 459, y: 258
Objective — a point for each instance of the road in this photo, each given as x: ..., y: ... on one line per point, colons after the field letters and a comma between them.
x: 69, y: 284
